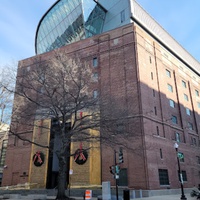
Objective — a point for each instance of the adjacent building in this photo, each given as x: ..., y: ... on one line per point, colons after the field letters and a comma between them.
x: 141, y: 70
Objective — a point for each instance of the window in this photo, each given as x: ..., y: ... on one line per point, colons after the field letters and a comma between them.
x: 193, y: 141
x: 177, y: 137
x: 198, y: 104
x: 171, y: 103
x: 184, y: 176
x: 163, y: 176
x: 154, y: 94
x: 95, y: 76
x: 184, y: 84
x: 150, y: 59
x: 174, y: 119
x: 95, y: 62
x: 197, y: 93
x: 181, y: 157
x: 155, y: 110
x: 188, y: 111
x: 122, y: 16
x: 161, y: 155
x: 168, y: 73
x: 170, y: 88
x: 157, y: 130
x: 186, y: 97
x: 151, y: 75
x: 95, y: 94
x: 190, y: 126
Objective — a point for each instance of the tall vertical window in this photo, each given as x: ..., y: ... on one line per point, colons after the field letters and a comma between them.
x: 122, y: 16
x: 188, y: 111
x: 170, y: 88
x: 154, y: 94
x: 190, y: 126
x: 151, y: 75
x: 171, y: 103
x: 186, y: 97
x: 184, y: 84
x: 198, y: 104
x: 95, y: 76
x: 155, y: 110
x: 163, y: 176
x: 174, y: 119
x: 95, y: 62
x: 177, y: 137
x: 168, y: 73
x: 150, y: 59
x: 95, y: 94
x: 161, y: 154
x: 184, y: 176
x: 157, y: 130
x: 197, y: 93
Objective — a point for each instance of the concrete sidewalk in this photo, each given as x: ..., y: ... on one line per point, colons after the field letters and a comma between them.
x: 167, y: 197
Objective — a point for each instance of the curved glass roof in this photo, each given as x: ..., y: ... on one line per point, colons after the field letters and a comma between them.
x: 68, y: 21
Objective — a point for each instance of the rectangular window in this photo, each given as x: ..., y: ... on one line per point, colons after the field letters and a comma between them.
x: 95, y: 62
x: 161, y: 155
x: 184, y: 176
x: 190, y: 126
x: 151, y: 75
x: 174, y: 119
x: 150, y: 59
x: 95, y: 76
x: 170, y: 88
x: 163, y: 176
x: 197, y: 93
x: 95, y: 94
x: 186, y: 97
x: 155, y: 110
x: 184, y: 84
x: 198, y: 104
x: 171, y: 103
x: 168, y: 73
x: 177, y: 137
x: 122, y: 16
x: 181, y: 157
x: 154, y: 94
x: 157, y: 130
x: 188, y: 111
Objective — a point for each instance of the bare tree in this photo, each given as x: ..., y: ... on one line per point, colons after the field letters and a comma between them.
x: 60, y: 89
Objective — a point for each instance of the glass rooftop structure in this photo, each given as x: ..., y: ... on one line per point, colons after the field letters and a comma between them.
x: 68, y: 21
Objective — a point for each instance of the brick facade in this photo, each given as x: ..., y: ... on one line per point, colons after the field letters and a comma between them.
x: 135, y: 73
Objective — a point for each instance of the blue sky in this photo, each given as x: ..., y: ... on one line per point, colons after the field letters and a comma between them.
x: 19, y: 20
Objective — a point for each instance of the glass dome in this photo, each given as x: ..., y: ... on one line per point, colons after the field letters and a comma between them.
x: 68, y: 21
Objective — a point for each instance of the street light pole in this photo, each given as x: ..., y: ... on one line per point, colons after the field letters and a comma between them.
x: 179, y: 173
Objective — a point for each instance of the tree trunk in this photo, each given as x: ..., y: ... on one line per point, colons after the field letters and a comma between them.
x: 62, y: 178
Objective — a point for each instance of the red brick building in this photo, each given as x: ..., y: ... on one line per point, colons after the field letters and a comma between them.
x: 155, y: 88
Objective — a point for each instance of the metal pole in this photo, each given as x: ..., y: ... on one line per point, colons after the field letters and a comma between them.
x: 116, y: 180
x: 180, y: 177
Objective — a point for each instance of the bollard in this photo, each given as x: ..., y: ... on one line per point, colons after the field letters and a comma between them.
x: 126, y: 194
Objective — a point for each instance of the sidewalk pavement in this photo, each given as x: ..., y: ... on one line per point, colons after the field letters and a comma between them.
x: 163, y: 197
x: 167, y: 197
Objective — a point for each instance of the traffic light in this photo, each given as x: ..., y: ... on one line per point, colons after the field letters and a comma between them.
x: 112, y: 169
x: 117, y: 169
x: 121, y: 159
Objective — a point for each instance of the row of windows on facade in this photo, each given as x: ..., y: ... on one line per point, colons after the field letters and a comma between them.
x: 177, y: 137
